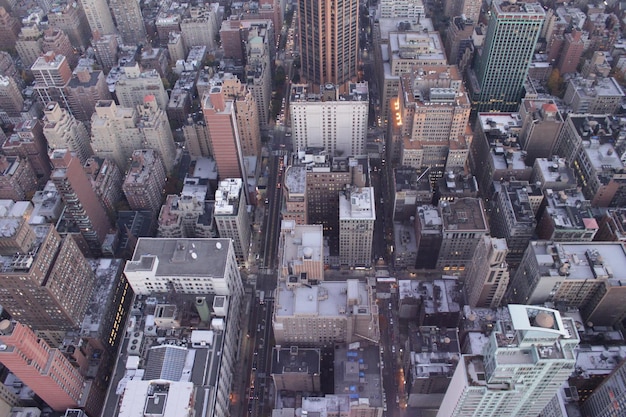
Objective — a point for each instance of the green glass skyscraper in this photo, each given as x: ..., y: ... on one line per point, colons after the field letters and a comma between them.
x: 502, y: 64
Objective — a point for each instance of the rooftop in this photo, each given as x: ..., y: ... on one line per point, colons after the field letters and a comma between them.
x: 438, y: 296
x: 181, y: 257
x: 356, y: 92
x: 357, y: 374
x: 463, y: 214
x: 228, y: 196
x: 357, y: 203
x: 581, y: 260
x: 143, y: 161
x: 302, y: 242
x: 326, y: 299
x: 296, y: 360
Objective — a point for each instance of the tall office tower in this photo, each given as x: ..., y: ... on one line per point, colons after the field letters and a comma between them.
x: 201, y: 27
x: 468, y: 8
x: 144, y: 182
x: 114, y: 132
x: 259, y: 72
x: 155, y: 128
x: 246, y: 112
x: 497, y: 82
x: 295, y: 207
x: 196, y: 134
x: 129, y: 21
x: 587, y: 143
x: 329, y: 41
x: 47, y: 282
x: 9, y: 29
x: 464, y: 226
x: 85, y: 89
x: 247, y: 115
x: 52, y: 74
x: 301, y: 251
x: 331, y: 120
x: 29, y: 142
x: 573, y: 48
x: 513, y: 216
x: 106, y: 180
x: 18, y: 180
x: 526, y: 359
x: 105, y: 50
x: 63, y: 131
x: 98, y: 16
x: 135, y: 84
x: 430, y: 126
x: 82, y: 206
x: 57, y: 41
x: 324, y: 314
x: 221, y: 122
x: 231, y: 216
x: 357, y: 214
x: 68, y: 16
x: 42, y: 368
x: 29, y: 43
x: 541, y: 125
x: 488, y: 277
x: 608, y: 399
x: 11, y: 100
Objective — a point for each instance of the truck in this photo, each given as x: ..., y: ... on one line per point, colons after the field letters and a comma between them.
x: 262, y: 297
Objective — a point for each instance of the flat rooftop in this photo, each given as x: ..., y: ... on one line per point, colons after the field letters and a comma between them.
x: 328, y: 298
x: 176, y: 256
x: 463, y: 214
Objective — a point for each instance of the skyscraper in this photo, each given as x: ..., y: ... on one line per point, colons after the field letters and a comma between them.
x: 98, y: 16
x: 502, y: 64
x: 330, y: 120
x: 526, y: 359
x: 329, y: 40
x: 46, y: 281
x: 356, y: 226
x: 129, y: 21
x: 82, y: 205
x: 44, y: 369
x: 63, y: 131
x: 232, y: 217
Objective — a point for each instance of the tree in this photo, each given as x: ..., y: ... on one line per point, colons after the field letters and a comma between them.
x: 555, y: 82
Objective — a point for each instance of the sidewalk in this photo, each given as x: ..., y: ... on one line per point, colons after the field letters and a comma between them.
x: 242, y: 371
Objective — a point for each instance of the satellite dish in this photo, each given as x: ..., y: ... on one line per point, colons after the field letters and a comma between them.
x: 194, y: 255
